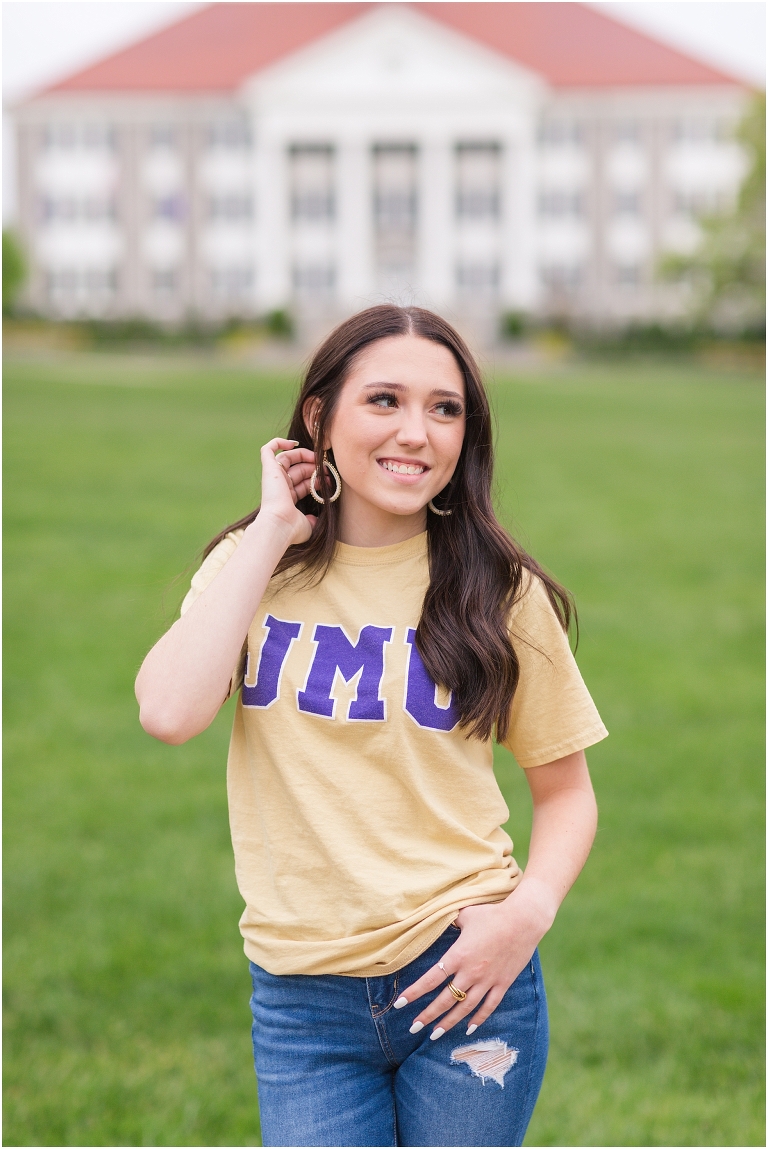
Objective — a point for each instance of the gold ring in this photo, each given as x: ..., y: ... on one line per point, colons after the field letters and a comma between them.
x: 459, y: 994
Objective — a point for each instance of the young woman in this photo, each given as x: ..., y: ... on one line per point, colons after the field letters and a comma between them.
x: 381, y: 627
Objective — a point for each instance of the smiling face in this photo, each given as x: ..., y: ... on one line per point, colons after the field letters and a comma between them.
x: 396, y: 436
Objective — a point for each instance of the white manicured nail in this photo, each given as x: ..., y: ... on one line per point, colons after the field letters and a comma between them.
x: 401, y: 1001
x: 416, y: 1027
x: 436, y: 1033
x: 471, y: 1029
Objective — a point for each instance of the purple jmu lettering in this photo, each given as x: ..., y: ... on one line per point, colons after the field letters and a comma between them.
x: 274, y: 651
x: 335, y: 652
x: 420, y: 694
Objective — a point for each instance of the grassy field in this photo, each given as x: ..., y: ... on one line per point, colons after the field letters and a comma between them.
x: 126, y: 987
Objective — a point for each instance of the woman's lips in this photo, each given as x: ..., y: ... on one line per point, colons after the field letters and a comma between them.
x: 403, y: 468
x: 403, y: 473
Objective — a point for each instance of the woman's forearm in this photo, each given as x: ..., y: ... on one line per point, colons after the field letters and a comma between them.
x: 564, y: 825
x: 185, y: 677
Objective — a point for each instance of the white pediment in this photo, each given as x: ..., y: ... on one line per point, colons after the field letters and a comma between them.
x: 389, y: 62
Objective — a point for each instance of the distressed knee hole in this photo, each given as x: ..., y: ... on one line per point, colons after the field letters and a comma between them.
x: 492, y: 1059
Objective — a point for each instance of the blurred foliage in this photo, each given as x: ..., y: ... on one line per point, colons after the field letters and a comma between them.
x: 727, y: 271
x: 279, y: 324
x: 14, y: 270
x: 139, y: 333
x: 641, y: 338
x: 514, y: 325
x: 654, y: 339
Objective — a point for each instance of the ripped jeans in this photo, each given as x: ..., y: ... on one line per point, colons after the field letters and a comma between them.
x: 336, y: 1065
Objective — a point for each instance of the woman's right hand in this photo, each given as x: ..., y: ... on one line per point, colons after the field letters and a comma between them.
x: 285, y: 478
x: 185, y: 677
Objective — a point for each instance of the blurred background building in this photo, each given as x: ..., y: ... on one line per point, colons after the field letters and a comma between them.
x: 477, y: 158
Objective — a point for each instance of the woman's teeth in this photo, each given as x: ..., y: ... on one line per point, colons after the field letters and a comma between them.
x: 403, y: 468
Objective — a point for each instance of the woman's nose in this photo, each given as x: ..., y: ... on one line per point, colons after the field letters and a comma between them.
x: 412, y: 430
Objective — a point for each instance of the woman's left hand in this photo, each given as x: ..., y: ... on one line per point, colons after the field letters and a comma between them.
x: 496, y: 943
x: 498, y: 940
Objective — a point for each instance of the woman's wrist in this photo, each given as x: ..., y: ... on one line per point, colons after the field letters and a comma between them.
x: 271, y: 531
x: 537, y: 901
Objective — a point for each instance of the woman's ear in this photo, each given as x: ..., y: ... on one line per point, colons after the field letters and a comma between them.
x: 310, y: 412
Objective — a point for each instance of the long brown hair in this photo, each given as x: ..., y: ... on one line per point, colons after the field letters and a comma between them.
x: 475, y: 567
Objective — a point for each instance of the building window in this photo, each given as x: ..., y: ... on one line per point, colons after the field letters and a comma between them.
x: 696, y: 131
x: 62, y: 284
x: 558, y: 203
x: 627, y: 132
x: 395, y: 206
x: 62, y: 209
x: 231, y: 134
x: 234, y: 207
x: 230, y: 283
x: 68, y: 209
x: 627, y: 275
x: 171, y: 208
x: 561, y: 132
x: 99, y: 137
x: 477, y: 278
x: 93, y: 136
x: 700, y: 202
x: 314, y: 281
x: 165, y: 282
x: 96, y: 210
x: 70, y: 286
x: 478, y: 181
x: 311, y: 181
x: 60, y: 136
x: 627, y: 203
x: 101, y: 281
x: 562, y: 278
x: 163, y: 136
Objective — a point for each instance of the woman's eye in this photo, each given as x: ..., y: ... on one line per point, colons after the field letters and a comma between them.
x: 384, y: 400
x: 448, y: 408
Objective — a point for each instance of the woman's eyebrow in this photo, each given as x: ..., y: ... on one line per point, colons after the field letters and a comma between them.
x: 402, y: 387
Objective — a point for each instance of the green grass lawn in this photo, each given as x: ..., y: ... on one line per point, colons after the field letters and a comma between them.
x: 127, y: 1019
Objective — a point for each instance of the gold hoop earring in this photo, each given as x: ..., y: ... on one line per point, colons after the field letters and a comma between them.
x: 435, y: 510
x: 326, y: 463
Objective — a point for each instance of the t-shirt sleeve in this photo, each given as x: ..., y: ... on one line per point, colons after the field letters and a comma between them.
x: 211, y: 566
x: 552, y: 712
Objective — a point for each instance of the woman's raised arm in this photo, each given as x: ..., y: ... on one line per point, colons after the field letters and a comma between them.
x: 184, y: 679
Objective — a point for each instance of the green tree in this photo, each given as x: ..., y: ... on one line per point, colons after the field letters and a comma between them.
x: 727, y: 271
x: 14, y: 270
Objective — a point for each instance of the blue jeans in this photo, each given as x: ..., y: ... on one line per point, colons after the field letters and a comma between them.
x: 337, y: 1066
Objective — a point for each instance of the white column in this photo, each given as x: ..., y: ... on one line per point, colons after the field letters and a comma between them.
x: 354, y: 224
x: 519, y: 280
x: 436, y: 223
x: 272, y: 253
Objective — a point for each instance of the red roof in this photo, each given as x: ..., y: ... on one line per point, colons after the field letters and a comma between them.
x: 573, y: 46
x: 218, y: 47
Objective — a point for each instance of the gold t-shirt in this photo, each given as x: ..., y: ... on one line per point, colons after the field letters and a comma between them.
x: 362, y: 817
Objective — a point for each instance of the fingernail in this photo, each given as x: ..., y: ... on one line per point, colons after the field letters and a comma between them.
x: 471, y: 1029
x: 416, y: 1027
x: 401, y: 1001
x: 436, y: 1033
